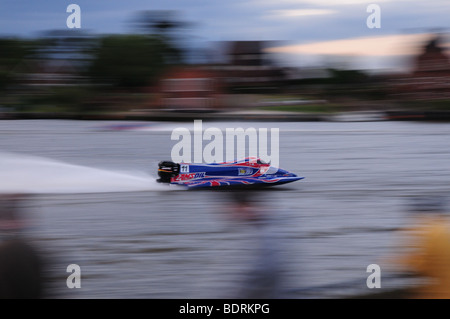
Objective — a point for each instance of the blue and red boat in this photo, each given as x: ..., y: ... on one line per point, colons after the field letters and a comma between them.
x: 251, y: 171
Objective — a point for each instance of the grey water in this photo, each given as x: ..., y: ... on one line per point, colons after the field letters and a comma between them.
x: 95, y: 203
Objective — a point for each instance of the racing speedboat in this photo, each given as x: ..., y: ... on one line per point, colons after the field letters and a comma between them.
x: 251, y: 171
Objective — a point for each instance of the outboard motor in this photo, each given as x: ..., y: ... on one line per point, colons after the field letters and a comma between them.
x: 167, y: 170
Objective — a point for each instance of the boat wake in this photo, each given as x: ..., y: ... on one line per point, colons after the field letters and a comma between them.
x: 38, y: 175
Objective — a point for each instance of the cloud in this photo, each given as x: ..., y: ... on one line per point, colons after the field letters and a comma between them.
x: 325, y: 3
x: 289, y: 13
x: 387, y: 45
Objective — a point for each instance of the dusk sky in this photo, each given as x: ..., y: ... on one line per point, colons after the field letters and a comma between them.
x: 310, y: 32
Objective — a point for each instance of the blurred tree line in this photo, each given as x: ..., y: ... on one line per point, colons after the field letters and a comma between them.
x: 343, y: 83
x: 12, y: 52
x: 70, y: 71
x: 135, y: 60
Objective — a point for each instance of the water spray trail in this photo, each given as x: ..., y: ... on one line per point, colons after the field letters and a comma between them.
x: 37, y: 175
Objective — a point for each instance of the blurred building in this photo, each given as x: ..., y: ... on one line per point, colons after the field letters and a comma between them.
x: 247, y: 69
x: 430, y: 78
x: 190, y: 87
x: 250, y: 69
x: 59, y: 59
x: 49, y: 73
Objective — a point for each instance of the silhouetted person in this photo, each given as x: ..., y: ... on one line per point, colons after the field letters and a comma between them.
x: 20, y: 263
x: 20, y: 271
x: 262, y: 279
x: 428, y: 248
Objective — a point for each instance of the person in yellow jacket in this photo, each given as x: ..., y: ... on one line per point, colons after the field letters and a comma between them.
x: 428, y: 251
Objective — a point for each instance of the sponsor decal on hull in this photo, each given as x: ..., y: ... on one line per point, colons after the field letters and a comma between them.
x: 185, y: 177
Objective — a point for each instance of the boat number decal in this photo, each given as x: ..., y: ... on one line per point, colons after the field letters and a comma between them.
x: 184, y: 169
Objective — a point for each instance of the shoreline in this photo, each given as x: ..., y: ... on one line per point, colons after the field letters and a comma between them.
x: 177, y: 116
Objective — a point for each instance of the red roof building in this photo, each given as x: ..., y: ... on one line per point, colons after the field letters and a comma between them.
x: 189, y: 87
x: 430, y: 79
